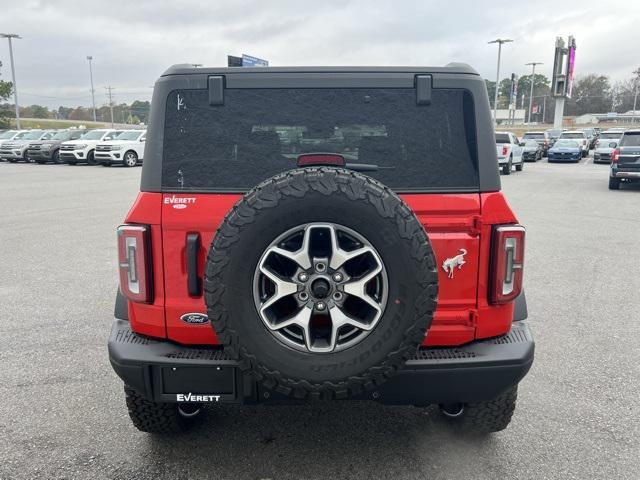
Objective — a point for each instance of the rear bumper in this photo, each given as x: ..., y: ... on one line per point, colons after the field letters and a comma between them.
x: 163, y: 371
x: 616, y: 173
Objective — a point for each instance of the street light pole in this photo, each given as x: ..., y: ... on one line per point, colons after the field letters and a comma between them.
x: 499, y: 41
x: 9, y: 36
x: 93, y: 98
x: 533, y: 79
x: 635, y: 97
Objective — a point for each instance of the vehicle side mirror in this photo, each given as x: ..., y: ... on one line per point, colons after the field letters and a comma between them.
x: 142, y: 139
x: 521, y: 144
x: 613, y: 145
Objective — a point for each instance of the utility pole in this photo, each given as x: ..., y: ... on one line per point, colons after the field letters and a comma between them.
x: 499, y: 41
x: 9, y: 36
x: 110, y: 95
x: 635, y: 96
x: 93, y: 98
x: 533, y: 79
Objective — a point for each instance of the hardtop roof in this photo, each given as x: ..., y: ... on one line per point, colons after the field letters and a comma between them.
x: 188, y: 69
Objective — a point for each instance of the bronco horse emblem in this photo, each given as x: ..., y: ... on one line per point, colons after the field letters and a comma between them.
x: 450, y: 263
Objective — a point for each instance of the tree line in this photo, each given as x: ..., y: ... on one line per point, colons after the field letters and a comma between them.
x: 592, y: 93
x: 136, y: 113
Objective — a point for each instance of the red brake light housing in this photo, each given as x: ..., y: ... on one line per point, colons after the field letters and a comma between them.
x: 505, y: 150
x: 134, y: 262
x: 320, y: 159
x: 507, y: 262
x: 615, y: 155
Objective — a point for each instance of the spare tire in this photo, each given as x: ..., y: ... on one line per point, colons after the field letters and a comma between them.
x: 321, y: 282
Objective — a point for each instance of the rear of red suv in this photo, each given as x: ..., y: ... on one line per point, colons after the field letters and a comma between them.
x: 320, y: 233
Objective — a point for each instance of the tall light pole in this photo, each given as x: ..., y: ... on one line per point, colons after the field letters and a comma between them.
x: 499, y: 41
x: 635, y: 96
x: 93, y: 98
x: 9, y: 36
x: 533, y: 79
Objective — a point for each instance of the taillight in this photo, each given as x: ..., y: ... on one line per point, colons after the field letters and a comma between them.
x: 134, y: 262
x: 597, y: 143
x: 505, y: 150
x: 615, y: 155
x: 507, y: 261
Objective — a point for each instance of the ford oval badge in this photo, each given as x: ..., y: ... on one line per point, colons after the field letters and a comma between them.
x: 194, y: 318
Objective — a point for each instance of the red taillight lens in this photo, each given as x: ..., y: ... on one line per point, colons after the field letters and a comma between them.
x: 134, y: 264
x: 505, y: 150
x: 317, y: 159
x: 597, y: 143
x: 507, y: 262
x: 615, y: 155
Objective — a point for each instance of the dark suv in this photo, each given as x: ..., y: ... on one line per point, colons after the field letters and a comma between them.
x: 318, y: 234
x: 625, y: 160
x: 49, y: 150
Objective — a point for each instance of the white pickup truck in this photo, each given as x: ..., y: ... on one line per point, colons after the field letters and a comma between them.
x: 509, y: 152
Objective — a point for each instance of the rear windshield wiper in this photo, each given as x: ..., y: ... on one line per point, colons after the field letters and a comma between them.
x: 366, y: 167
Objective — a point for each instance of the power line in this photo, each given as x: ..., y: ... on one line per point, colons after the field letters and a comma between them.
x: 110, y: 95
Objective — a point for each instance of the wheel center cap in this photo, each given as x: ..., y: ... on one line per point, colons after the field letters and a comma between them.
x: 320, y: 288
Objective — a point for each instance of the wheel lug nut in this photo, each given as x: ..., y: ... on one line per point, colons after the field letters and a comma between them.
x: 320, y: 306
x: 337, y: 296
x: 338, y: 277
x: 303, y: 277
x: 304, y: 296
x: 320, y: 267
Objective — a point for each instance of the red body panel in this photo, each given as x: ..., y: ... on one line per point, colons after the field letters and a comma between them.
x: 453, y: 222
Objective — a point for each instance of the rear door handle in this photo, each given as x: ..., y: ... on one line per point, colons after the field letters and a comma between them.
x: 194, y: 283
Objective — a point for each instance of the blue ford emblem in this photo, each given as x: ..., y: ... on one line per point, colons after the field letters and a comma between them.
x: 194, y: 318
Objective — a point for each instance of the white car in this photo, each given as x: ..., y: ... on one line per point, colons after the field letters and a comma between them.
x: 580, y: 137
x: 604, y: 148
x: 11, y: 135
x: 15, y: 150
x: 509, y: 152
x: 82, y: 150
x: 127, y: 149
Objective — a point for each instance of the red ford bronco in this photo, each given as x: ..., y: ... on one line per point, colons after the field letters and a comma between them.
x: 317, y: 234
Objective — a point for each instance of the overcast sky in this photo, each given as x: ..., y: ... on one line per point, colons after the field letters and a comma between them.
x: 133, y: 41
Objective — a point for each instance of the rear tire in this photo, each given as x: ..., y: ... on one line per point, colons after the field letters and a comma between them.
x: 506, y: 168
x: 156, y: 417
x: 520, y: 166
x: 486, y: 417
x: 614, y: 183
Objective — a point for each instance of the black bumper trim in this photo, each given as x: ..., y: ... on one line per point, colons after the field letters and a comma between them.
x: 478, y: 371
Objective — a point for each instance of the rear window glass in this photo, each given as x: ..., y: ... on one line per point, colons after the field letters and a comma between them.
x: 610, y: 135
x: 533, y: 135
x: 258, y: 133
x: 572, y: 135
x: 630, y: 140
x: 502, y: 138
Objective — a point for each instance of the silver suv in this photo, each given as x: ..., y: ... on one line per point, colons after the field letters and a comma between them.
x: 606, y: 144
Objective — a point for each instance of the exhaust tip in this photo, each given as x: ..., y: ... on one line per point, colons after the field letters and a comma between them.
x: 189, y: 410
x: 452, y: 410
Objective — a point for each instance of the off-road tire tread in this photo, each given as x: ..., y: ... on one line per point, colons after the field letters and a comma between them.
x: 153, y: 417
x: 328, y: 181
x: 490, y: 416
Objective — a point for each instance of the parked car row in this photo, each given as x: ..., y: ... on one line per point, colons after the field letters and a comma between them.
x: 615, y: 146
x: 74, y: 146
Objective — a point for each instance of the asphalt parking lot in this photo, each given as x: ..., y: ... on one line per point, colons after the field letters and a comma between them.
x: 63, y: 412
